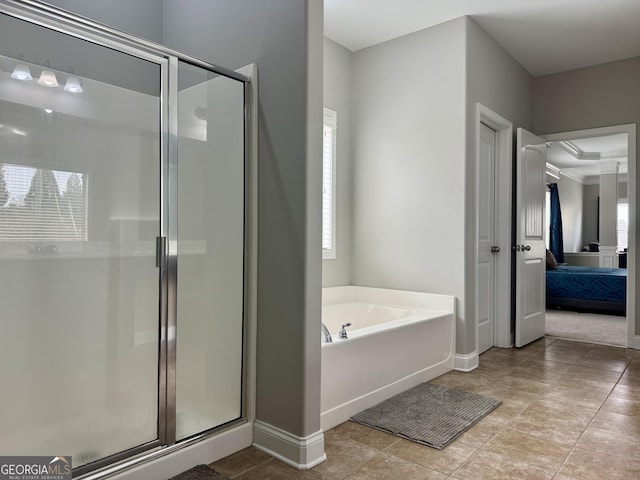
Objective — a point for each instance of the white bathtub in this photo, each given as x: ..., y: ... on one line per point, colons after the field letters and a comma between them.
x: 397, y: 339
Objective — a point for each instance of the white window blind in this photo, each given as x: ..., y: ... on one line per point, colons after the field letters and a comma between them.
x: 328, y: 183
x: 622, y: 229
x: 38, y: 204
x: 547, y: 212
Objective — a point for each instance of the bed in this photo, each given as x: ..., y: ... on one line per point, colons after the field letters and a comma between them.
x: 587, y: 288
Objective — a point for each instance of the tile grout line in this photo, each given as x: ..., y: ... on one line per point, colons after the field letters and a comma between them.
x: 528, y: 356
x: 592, y: 418
x: 502, y: 428
x: 268, y: 460
x: 555, y: 383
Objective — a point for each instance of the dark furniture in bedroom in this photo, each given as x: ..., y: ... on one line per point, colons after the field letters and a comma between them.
x: 622, y: 260
x: 602, y: 290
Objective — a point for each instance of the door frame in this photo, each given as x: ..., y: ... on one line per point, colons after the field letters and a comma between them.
x: 503, y: 200
x: 632, y: 267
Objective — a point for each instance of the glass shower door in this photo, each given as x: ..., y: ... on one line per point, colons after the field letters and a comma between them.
x: 79, y: 216
x: 210, y: 248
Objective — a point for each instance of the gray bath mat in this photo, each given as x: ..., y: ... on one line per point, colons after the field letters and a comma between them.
x: 429, y: 414
x: 200, y: 472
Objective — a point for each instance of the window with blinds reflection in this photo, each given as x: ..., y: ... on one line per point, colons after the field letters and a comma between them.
x: 38, y: 204
x: 622, y: 230
x: 328, y: 183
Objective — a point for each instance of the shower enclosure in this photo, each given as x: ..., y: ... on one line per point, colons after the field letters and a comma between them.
x: 123, y: 220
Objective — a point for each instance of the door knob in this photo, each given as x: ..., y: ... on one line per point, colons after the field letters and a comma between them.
x: 526, y: 248
x: 495, y: 249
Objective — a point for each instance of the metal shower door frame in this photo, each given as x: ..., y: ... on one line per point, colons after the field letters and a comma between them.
x: 81, y: 28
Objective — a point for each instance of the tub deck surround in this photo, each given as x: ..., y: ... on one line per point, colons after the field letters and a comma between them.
x: 397, y: 339
x: 389, y: 297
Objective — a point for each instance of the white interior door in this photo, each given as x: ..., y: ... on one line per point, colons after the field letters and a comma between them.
x: 530, y: 251
x: 486, y: 233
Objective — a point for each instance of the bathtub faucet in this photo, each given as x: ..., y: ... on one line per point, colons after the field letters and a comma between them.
x: 325, y: 334
x: 343, y: 331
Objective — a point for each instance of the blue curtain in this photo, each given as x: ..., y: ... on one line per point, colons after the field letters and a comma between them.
x: 555, y: 225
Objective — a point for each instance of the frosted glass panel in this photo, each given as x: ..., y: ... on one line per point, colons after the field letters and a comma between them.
x: 79, y: 213
x: 210, y: 250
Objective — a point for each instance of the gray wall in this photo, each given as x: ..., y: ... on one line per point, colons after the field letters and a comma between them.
x: 608, y: 209
x: 587, y: 98
x: 590, y: 97
x: 623, y: 189
x: 414, y: 156
x: 571, y: 195
x: 408, y: 153
x: 590, y: 213
x: 143, y: 18
x: 284, y: 37
x: 497, y: 81
x: 338, y: 64
x: 590, y: 210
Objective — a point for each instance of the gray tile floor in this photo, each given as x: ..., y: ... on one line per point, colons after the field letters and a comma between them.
x: 571, y: 411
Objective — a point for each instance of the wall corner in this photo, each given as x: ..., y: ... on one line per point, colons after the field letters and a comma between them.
x: 302, y: 453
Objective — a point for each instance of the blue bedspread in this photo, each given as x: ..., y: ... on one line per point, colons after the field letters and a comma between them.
x: 588, y: 283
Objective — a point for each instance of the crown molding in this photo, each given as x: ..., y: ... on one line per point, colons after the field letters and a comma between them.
x: 575, y: 152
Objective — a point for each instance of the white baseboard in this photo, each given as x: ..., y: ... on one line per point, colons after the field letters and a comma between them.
x: 205, y: 451
x: 302, y: 453
x: 466, y: 363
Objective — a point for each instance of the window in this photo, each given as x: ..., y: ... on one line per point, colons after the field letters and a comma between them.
x: 329, y: 184
x: 547, y: 212
x: 622, y: 229
x: 38, y: 204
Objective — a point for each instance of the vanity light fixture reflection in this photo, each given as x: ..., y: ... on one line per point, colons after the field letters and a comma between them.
x: 48, y: 79
x: 73, y: 85
x: 22, y: 72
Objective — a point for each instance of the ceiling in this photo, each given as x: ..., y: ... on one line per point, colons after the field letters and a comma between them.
x: 584, y: 159
x: 545, y: 36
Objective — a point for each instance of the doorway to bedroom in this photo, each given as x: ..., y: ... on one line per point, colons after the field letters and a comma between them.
x: 590, y: 295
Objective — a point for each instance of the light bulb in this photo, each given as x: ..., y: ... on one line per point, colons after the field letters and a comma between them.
x: 22, y: 72
x: 48, y: 79
x: 73, y: 85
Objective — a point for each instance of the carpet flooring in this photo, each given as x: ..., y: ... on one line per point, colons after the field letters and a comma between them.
x: 587, y: 327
